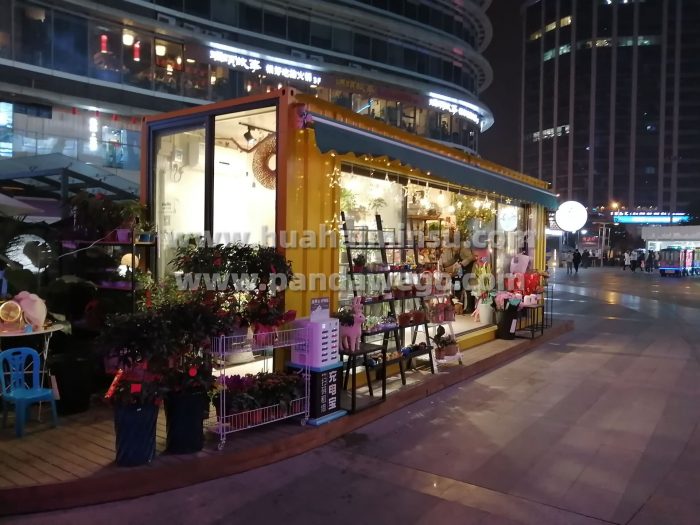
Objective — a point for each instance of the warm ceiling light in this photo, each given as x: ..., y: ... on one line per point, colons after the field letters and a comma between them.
x: 160, y: 50
x: 248, y: 136
x: 127, y: 39
x: 178, y: 60
x: 190, y: 60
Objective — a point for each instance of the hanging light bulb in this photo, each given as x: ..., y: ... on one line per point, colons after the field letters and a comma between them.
x: 441, y: 198
x: 460, y: 204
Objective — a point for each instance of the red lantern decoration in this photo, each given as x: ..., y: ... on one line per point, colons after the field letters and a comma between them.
x: 137, y: 51
x: 103, y: 43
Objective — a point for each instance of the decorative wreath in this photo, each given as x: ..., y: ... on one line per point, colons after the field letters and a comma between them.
x: 265, y: 150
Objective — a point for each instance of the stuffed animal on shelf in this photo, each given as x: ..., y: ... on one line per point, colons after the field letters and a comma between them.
x: 350, y: 336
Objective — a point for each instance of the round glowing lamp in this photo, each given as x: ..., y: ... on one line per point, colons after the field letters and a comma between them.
x: 571, y: 216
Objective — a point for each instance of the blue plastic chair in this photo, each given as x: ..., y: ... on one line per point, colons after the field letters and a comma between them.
x: 24, y: 388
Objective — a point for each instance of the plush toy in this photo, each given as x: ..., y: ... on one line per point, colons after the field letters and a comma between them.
x: 33, y: 309
x: 350, y: 336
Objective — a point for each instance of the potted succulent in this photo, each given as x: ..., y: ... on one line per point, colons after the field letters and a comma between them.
x: 445, y: 345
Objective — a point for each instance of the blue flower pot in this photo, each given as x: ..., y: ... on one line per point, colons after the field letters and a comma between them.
x: 135, y: 429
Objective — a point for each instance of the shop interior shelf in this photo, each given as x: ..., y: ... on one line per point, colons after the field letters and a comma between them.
x: 381, y: 331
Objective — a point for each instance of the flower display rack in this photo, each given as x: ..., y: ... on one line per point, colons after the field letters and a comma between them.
x: 227, y: 421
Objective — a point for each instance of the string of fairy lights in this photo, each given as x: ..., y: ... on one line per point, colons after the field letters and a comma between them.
x: 463, y: 202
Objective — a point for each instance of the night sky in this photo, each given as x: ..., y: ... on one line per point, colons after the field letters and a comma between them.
x: 501, y: 142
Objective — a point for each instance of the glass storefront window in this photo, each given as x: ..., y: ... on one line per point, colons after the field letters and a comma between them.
x: 105, y: 52
x: 138, y: 70
x: 197, y: 79
x: 180, y: 184
x: 221, y: 85
x: 5, y: 29
x: 32, y: 39
x: 70, y: 43
x: 169, y: 65
x: 245, y: 165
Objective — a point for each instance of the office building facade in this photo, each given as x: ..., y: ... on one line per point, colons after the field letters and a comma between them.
x: 609, y: 114
x: 78, y: 76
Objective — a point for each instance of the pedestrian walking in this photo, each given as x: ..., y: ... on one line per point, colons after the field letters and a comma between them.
x: 569, y: 260
x: 576, y: 260
x: 626, y: 261
x: 586, y: 258
x: 650, y: 261
x: 640, y: 260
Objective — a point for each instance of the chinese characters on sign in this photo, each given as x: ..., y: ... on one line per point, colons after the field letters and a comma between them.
x: 325, y: 388
x: 292, y: 74
x: 253, y: 65
x: 237, y: 61
x: 454, y: 109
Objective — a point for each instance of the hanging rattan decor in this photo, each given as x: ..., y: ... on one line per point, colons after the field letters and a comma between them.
x: 265, y: 150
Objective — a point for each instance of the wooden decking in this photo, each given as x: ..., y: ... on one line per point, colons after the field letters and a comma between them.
x: 83, y: 446
x: 73, y: 464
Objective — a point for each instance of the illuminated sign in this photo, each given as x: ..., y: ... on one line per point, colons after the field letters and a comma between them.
x: 235, y: 61
x: 239, y: 61
x: 292, y: 74
x: 643, y: 217
x: 455, y: 106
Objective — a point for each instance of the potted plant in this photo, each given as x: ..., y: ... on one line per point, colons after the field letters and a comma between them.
x: 445, y: 345
x: 147, y: 232
x: 95, y: 216
x: 481, y: 290
x: 265, y: 314
x: 133, y: 342
x: 358, y: 263
x: 130, y: 212
x: 186, y: 370
x: 345, y: 316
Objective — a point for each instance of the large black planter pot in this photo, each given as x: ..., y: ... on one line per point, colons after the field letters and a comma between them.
x: 74, y: 380
x: 505, y: 324
x: 184, y: 420
x: 135, y: 429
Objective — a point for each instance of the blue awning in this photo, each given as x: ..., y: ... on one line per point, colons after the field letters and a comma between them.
x: 341, y: 138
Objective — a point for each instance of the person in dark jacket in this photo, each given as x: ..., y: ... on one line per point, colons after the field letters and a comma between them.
x: 650, y: 261
x: 577, y: 260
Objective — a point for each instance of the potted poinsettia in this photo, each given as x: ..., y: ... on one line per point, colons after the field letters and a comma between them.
x: 133, y: 343
x: 186, y: 369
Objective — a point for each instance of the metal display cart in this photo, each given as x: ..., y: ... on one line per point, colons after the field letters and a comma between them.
x: 224, y: 423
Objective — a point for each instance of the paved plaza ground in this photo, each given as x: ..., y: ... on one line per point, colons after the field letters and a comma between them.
x: 597, y: 426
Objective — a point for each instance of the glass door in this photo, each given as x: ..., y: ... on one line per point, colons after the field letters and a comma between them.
x: 179, y: 211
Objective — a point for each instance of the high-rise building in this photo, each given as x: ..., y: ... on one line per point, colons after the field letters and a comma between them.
x: 76, y: 76
x: 610, y: 112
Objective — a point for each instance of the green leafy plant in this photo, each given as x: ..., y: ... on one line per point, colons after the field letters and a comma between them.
x: 345, y: 316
